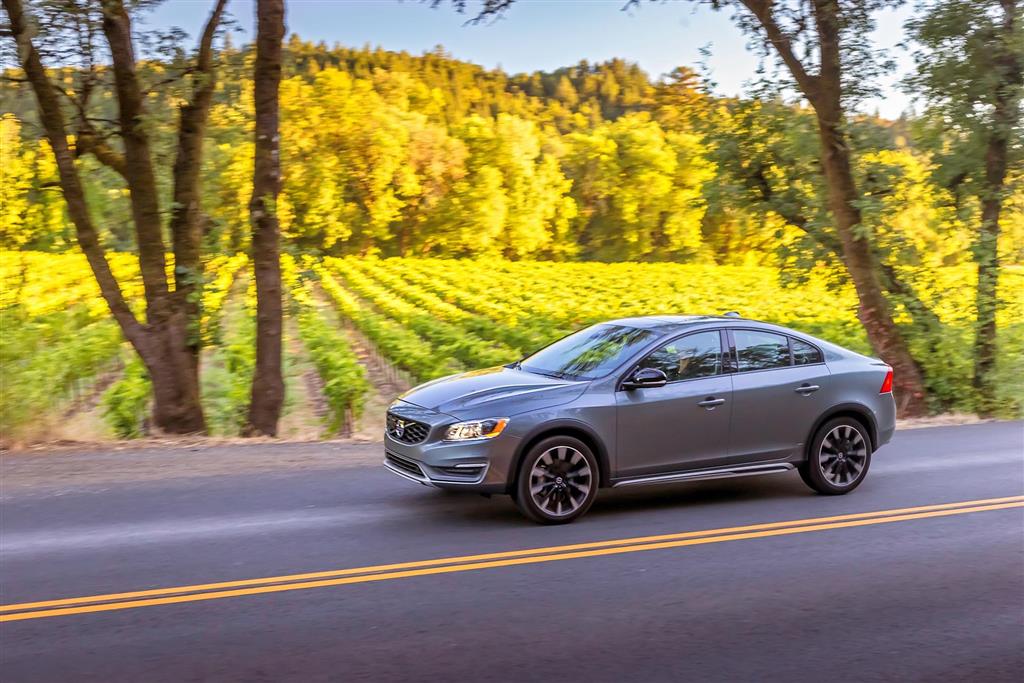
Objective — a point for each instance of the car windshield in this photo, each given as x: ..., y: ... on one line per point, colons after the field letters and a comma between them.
x: 587, y: 354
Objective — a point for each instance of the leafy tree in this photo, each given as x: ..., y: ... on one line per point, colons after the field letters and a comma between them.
x: 638, y: 189
x: 168, y: 341
x: 533, y: 184
x: 766, y: 156
x: 970, y: 74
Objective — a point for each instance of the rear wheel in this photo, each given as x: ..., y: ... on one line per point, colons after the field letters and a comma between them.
x: 557, y: 480
x: 838, y: 457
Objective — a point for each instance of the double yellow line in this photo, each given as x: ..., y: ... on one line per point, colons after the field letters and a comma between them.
x: 402, y: 570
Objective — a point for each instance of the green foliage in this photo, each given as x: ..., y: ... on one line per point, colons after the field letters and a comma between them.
x: 221, y: 272
x: 31, y: 217
x: 345, y: 385
x: 639, y: 190
x: 530, y: 304
x: 403, y: 347
x: 968, y: 67
x: 226, y: 382
x: 392, y: 154
x: 447, y: 339
x: 43, y: 359
x: 344, y: 380
x: 125, y: 403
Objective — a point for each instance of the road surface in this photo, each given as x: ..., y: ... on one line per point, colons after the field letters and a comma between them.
x: 114, y: 568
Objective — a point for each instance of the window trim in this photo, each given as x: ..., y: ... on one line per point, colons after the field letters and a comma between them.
x: 789, y: 343
x: 722, y: 350
x: 792, y: 356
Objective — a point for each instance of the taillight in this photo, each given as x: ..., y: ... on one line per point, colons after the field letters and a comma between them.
x: 886, y: 383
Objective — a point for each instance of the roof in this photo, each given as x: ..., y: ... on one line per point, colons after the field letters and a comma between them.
x: 661, y: 322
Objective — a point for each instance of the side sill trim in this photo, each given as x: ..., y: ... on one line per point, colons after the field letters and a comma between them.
x: 717, y: 473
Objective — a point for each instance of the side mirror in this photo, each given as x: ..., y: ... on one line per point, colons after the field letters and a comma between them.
x: 646, y: 378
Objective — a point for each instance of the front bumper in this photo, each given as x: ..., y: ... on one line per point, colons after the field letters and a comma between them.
x: 468, y: 466
x: 482, y: 465
x: 461, y: 474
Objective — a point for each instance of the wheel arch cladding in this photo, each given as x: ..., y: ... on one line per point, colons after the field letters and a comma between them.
x: 574, y: 430
x: 856, y: 412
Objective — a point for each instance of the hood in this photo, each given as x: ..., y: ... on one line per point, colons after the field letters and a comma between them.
x: 494, y: 392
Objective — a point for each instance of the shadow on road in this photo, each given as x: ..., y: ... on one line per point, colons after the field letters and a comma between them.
x: 448, y: 507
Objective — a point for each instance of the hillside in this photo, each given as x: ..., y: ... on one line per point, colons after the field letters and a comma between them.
x: 399, y: 155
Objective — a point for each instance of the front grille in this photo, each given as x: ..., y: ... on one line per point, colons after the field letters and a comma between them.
x: 406, y: 430
x: 404, y: 464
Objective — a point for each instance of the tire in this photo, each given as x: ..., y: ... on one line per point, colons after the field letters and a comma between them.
x: 838, y: 457
x: 557, y: 480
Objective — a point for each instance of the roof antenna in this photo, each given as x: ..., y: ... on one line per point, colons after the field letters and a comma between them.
x: 731, y: 314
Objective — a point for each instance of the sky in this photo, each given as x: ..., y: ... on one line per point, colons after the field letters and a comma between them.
x: 540, y: 34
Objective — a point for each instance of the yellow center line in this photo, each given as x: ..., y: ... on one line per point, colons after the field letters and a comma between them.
x: 288, y: 578
x: 865, y: 519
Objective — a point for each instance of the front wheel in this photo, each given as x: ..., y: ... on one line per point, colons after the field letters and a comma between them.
x: 557, y: 480
x: 838, y: 457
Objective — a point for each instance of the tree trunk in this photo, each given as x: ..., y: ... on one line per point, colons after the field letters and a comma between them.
x: 986, y: 255
x: 824, y: 92
x: 873, y: 309
x: 186, y: 214
x: 169, y: 358
x: 172, y: 369
x: 267, y: 381
x: 139, y: 173
x: 986, y: 249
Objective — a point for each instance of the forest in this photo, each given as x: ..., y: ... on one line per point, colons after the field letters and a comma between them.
x: 397, y: 155
x: 427, y: 208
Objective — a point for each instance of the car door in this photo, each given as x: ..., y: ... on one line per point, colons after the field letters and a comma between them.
x: 683, y: 424
x: 780, y: 385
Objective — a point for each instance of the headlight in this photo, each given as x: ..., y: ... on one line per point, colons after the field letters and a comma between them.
x: 476, y: 429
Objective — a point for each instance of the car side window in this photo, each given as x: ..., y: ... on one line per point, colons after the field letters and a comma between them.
x: 689, y: 357
x: 761, y: 350
x: 804, y: 353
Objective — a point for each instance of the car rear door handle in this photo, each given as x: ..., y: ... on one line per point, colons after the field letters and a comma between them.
x: 806, y: 389
x: 711, y: 402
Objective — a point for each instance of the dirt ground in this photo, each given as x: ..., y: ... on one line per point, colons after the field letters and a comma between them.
x: 68, y: 466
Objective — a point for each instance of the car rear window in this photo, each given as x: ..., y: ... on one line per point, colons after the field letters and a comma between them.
x: 761, y: 350
x: 804, y: 353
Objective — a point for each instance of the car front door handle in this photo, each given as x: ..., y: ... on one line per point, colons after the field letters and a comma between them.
x: 710, y: 402
x: 806, y: 389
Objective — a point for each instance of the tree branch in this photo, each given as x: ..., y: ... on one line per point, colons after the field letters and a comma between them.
x: 88, y: 142
x: 186, y: 224
x: 52, y: 118
x: 763, y: 12
x: 167, y: 81
x: 922, y: 315
x: 488, y: 8
x: 826, y: 22
x: 138, y: 161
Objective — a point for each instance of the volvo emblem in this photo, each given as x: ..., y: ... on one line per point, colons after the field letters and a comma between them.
x: 399, y: 428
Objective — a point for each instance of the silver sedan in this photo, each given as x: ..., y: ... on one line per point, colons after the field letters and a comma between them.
x: 647, y: 400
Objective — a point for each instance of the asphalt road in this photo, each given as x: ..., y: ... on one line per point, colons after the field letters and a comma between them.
x: 922, y: 594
